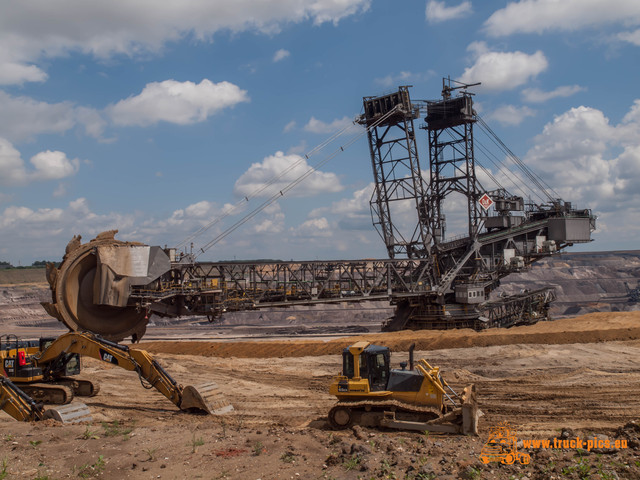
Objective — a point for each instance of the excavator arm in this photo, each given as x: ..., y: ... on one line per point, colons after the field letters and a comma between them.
x: 206, y: 397
x: 17, y: 403
x: 23, y: 408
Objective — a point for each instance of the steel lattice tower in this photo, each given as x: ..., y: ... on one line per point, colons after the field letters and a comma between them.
x: 396, y: 172
x: 451, y: 158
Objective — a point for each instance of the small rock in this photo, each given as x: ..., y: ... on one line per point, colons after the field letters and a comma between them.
x: 567, y: 433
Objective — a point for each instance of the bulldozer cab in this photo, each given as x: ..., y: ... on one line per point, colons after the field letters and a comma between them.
x: 374, y: 366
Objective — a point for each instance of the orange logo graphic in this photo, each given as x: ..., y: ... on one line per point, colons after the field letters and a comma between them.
x: 502, y: 446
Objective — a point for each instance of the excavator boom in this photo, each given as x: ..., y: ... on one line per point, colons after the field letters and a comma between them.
x: 206, y: 397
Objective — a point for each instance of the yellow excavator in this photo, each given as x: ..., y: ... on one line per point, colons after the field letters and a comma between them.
x: 371, y: 393
x: 57, y: 388
x: 50, y: 364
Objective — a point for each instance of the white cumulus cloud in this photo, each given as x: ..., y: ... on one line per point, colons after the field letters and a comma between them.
x: 511, y: 114
x: 538, y: 16
x: 590, y: 160
x: 313, y: 228
x: 47, y: 165
x: 53, y: 165
x: 281, y: 55
x: 13, y: 72
x: 439, y: 12
x: 289, y: 126
x: 23, y: 118
x: 31, y: 32
x: 631, y: 37
x: 404, y: 78
x: 318, y: 126
x: 176, y: 102
x: 535, y: 95
x: 278, y: 171
x: 502, y: 70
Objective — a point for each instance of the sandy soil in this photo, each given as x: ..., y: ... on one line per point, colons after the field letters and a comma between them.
x: 547, y: 380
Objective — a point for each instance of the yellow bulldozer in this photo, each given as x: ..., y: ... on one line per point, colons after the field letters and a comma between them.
x: 371, y: 393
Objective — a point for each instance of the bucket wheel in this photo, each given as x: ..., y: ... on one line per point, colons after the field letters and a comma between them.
x: 72, y: 287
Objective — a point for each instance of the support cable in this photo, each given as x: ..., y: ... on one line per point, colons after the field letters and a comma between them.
x: 258, y: 191
x: 537, y: 180
x: 275, y: 197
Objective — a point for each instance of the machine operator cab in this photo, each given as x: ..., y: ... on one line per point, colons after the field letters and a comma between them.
x: 16, y: 355
x: 367, y: 374
x: 374, y: 363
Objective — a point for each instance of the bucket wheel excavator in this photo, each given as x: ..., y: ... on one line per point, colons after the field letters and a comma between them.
x: 435, y: 281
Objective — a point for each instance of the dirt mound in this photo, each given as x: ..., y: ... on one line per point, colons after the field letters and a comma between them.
x: 594, y: 327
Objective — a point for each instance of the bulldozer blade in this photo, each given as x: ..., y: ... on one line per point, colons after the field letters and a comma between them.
x: 71, y: 413
x: 206, y: 397
x: 470, y: 411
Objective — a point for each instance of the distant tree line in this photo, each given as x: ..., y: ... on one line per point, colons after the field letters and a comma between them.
x: 36, y: 264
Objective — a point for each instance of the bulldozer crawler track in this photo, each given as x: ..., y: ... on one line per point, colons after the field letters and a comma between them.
x: 355, y: 409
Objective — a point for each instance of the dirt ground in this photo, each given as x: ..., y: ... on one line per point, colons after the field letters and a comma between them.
x: 563, y: 379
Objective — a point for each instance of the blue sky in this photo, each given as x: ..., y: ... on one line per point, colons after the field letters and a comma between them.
x: 154, y: 118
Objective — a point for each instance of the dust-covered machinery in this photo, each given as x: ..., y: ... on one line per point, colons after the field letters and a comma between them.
x: 43, y: 371
x: 22, y: 407
x: 54, y: 383
x: 371, y: 393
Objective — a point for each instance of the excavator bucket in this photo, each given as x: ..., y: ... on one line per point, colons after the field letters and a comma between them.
x: 71, y: 413
x: 207, y: 398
